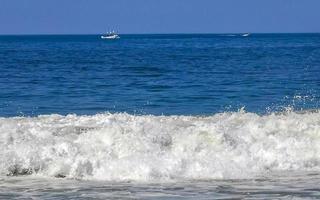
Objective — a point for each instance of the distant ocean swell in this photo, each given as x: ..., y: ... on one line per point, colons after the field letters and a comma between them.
x: 121, y: 147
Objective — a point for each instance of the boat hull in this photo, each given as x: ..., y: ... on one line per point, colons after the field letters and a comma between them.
x: 112, y: 37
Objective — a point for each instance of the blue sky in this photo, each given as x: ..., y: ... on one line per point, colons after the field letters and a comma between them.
x: 158, y: 16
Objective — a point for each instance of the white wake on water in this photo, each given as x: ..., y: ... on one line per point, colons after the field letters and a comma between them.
x: 120, y: 147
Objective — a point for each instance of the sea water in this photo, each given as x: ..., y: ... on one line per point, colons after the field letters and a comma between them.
x: 160, y: 117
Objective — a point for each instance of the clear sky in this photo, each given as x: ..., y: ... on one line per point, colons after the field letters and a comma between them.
x: 158, y: 16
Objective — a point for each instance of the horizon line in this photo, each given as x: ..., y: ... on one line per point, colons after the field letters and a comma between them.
x: 177, y: 33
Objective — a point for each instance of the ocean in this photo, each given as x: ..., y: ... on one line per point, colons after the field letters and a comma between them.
x: 160, y: 116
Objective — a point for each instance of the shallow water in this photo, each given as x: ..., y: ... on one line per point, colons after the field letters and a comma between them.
x: 290, y: 185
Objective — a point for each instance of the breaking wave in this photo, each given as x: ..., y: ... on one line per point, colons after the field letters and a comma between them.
x: 120, y: 147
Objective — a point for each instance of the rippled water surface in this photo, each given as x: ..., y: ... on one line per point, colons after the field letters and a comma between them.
x: 158, y: 74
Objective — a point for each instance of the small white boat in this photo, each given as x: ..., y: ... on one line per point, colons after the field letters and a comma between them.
x: 245, y: 35
x: 111, y: 36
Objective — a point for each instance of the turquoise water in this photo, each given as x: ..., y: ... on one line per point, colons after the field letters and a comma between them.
x: 160, y: 117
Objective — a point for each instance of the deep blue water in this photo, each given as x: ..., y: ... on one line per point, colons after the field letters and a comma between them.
x: 158, y: 74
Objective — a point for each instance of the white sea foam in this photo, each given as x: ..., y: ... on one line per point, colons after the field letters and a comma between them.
x: 121, y: 147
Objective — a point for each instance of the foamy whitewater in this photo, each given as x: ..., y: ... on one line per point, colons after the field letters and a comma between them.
x: 122, y: 147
